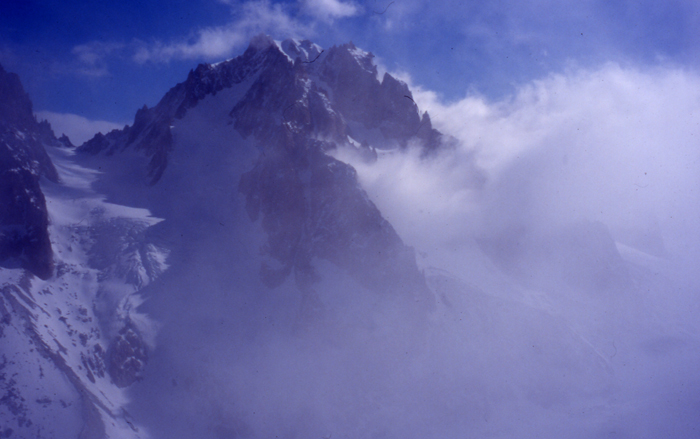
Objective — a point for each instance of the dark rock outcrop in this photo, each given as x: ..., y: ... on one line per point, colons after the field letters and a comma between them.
x: 24, y: 237
x: 127, y: 356
x: 387, y: 105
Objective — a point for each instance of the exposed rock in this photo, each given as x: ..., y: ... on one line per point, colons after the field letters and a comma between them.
x: 127, y: 356
x: 387, y: 105
x: 17, y: 121
x: 24, y: 238
x: 65, y: 141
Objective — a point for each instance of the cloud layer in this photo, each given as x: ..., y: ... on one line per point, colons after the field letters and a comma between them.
x: 615, y: 145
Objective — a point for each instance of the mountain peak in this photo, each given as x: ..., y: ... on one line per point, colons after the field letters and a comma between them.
x: 294, y: 102
x: 261, y: 42
x: 334, y: 93
x: 15, y: 105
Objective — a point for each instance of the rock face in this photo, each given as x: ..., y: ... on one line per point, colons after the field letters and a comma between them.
x: 300, y: 103
x: 24, y: 236
x: 127, y: 356
x: 368, y: 104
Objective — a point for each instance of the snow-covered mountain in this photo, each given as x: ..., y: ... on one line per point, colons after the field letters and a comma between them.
x: 242, y: 147
x: 71, y: 265
x: 292, y: 103
x: 216, y: 271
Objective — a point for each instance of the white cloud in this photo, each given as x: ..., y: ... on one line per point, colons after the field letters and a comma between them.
x: 221, y: 41
x: 612, y: 144
x: 78, y: 128
x: 329, y: 10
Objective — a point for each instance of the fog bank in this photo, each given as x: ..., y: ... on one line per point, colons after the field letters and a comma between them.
x: 577, y: 196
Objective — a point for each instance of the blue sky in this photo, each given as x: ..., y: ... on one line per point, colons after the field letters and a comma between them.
x: 103, y: 60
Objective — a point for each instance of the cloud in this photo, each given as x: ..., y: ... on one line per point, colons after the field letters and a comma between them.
x: 613, y: 145
x: 329, y: 10
x: 78, y: 128
x: 92, y: 57
x: 221, y: 41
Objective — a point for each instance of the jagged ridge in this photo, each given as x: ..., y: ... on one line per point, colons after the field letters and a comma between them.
x: 23, y: 161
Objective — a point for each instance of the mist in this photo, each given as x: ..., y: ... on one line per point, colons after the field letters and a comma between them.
x: 571, y: 206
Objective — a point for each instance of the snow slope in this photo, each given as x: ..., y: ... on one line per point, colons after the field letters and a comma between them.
x: 59, y: 333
